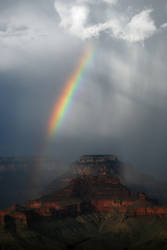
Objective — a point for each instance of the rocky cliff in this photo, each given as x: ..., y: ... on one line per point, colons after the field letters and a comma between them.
x: 91, y: 209
x: 94, y: 187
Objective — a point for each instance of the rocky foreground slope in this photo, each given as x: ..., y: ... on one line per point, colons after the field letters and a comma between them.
x: 92, y: 209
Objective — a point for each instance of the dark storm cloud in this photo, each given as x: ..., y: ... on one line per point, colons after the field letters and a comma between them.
x: 8, y: 4
x: 120, y: 106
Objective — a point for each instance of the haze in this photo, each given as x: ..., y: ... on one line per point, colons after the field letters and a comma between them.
x: 120, y: 105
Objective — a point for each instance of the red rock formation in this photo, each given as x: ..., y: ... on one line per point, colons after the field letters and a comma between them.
x: 160, y: 210
x: 97, y: 165
x: 52, y: 205
x: 129, y: 208
x: 17, y: 216
x: 20, y: 217
x: 44, y: 211
x: 108, y: 205
x: 33, y: 204
x: 87, y: 193
x: 2, y: 215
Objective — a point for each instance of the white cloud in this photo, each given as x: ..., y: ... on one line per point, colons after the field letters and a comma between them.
x: 96, y: 1
x: 139, y: 28
x: 95, y: 30
x: 111, y: 1
x: 164, y: 25
x: 74, y: 19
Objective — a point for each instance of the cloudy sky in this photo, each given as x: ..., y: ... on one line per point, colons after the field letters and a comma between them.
x: 120, y: 105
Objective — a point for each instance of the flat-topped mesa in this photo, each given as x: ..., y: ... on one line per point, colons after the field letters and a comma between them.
x: 97, y: 158
x: 97, y: 165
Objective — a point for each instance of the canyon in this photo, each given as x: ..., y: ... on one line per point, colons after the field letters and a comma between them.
x: 95, y: 187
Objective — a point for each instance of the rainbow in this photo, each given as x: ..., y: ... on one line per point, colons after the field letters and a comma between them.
x: 60, y: 108
x: 63, y: 102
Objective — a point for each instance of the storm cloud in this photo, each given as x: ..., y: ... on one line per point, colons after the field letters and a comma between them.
x: 120, y: 105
